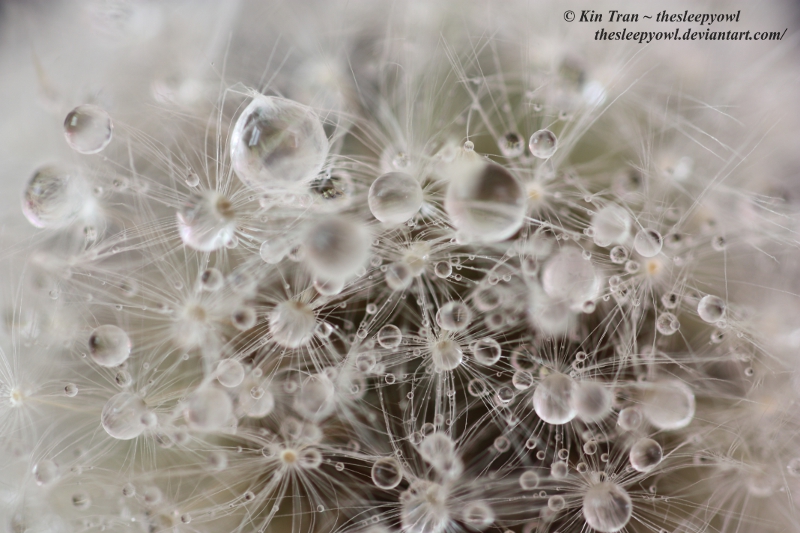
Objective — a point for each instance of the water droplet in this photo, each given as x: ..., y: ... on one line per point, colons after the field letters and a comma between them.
x: 645, y: 455
x: 453, y: 316
x: 543, y: 144
x: 317, y: 397
x: 386, y: 473
x: 556, y: 503
x: 292, y: 323
x: 88, y: 129
x: 570, y: 278
x: 486, y: 351
x: 394, y: 197
x: 667, y: 323
x: 122, y: 416
x: 45, y: 472
x: 336, y: 247
x: 446, y: 355
x: 230, y: 372
x: 398, y: 276
x: 552, y: 399
x: 109, y: 346
x: 71, y: 390
x: 511, y: 144
x: 668, y: 404
x: 469, y: 146
x: 207, y: 221
x: 611, y: 225
x: 528, y: 480
x: 607, y: 507
x: 277, y: 143
x: 485, y: 202
x: 209, y: 408
x: 618, y: 255
x: 443, y: 269
x: 591, y: 400
x: 53, y: 198
x: 711, y: 309
x: 648, y: 243
x: 390, y: 336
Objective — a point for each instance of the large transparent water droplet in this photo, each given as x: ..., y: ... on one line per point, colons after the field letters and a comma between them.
x: 109, y: 346
x: 648, y: 243
x: 569, y: 278
x: 592, y: 401
x: 209, y: 409
x: 207, y: 221
x: 552, y: 399
x: 394, y: 197
x: 122, y: 416
x: 607, y: 507
x: 446, y: 355
x: 317, y: 398
x: 292, y: 323
x: 277, y: 143
x: 54, y: 197
x: 645, y: 455
x: 485, y: 202
x: 711, y: 308
x: 87, y: 129
x: 386, y: 473
x: 454, y: 316
x: 611, y: 225
x: 336, y: 247
x: 668, y: 404
x: 45, y: 472
x: 543, y: 144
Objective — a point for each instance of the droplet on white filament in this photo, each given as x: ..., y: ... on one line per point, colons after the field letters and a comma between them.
x: 645, y: 455
x: 209, y: 409
x: 569, y: 278
x: 453, y: 316
x: 336, y: 247
x: 292, y: 323
x: 109, y: 346
x: 87, y: 129
x: 711, y: 308
x: 648, y: 243
x: 394, y: 197
x: 543, y: 144
x: 230, y: 372
x: 446, y: 355
x: 122, y: 416
x: 607, y: 507
x: 611, y: 225
x: 390, y: 336
x: 54, y: 197
x: 277, y: 144
x: 207, y: 221
x: 386, y: 473
x: 552, y: 399
x: 485, y: 201
x: 317, y: 397
x: 668, y: 404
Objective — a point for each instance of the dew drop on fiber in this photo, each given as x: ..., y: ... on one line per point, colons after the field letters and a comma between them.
x: 53, y: 197
x: 607, y: 507
x: 711, y: 308
x: 568, y: 277
x: 336, y: 247
x: 292, y: 323
x: 454, y: 316
x: 543, y: 144
x: 390, y: 336
x: 611, y: 225
x: 109, y: 346
x: 477, y: 515
x: 591, y: 400
x: 528, y: 480
x: 88, y: 129
x: 121, y: 417
x: 209, y: 409
x: 645, y: 455
x: 394, y: 197
x: 552, y: 399
x: 668, y: 404
x: 386, y: 473
x: 211, y: 279
x: 45, y: 472
x: 277, y: 144
x: 207, y: 221
x: 317, y: 397
x: 511, y: 144
x: 486, y: 351
x: 446, y: 355
x: 230, y: 372
x: 485, y: 202
x: 648, y: 243
x: 667, y: 323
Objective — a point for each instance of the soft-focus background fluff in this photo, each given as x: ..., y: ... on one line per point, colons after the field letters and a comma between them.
x: 374, y: 267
